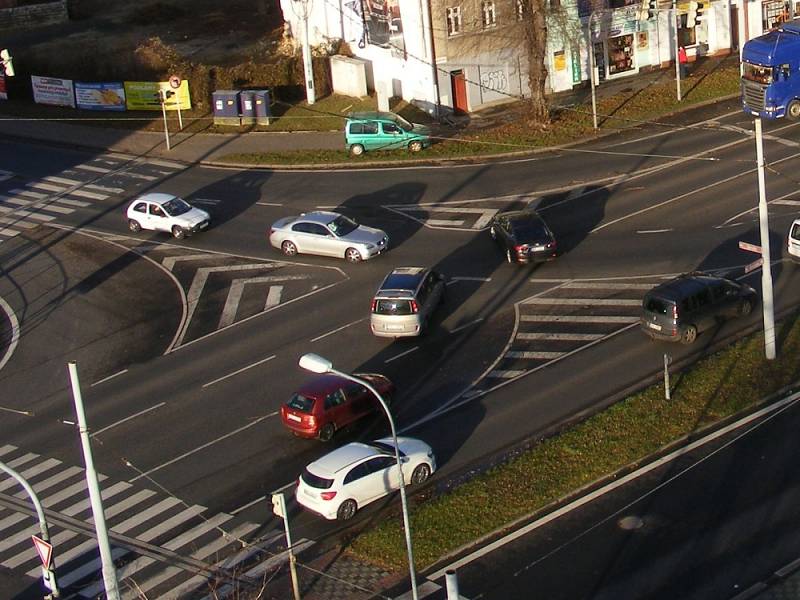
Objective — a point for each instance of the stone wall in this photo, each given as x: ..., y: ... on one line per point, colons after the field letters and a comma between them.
x: 34, y: 15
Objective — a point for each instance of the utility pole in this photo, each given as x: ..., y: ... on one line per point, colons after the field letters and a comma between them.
x: 109, y: 571
x: 592, y: 79
x: 305, y: 7
x: 676, y: 19
x: 766, y: 267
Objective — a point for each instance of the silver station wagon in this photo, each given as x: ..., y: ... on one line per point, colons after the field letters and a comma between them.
x: 328, y: 234
x: 403, y: 305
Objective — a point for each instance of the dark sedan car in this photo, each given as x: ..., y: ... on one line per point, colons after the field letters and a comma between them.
x: 524, y: 236
x: 328, y: 403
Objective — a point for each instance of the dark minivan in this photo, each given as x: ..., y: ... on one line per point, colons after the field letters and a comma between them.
x: 679, y: 309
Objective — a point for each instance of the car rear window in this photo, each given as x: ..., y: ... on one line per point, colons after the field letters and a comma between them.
x: 529, y: 229
x: 315, y: 481
x: 301, y: 403
x: 657, y: 305
x: 393, y: 307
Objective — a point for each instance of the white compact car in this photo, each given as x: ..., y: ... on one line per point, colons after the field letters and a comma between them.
x: 341, y: 482
x: 328, y: 234
x: 165, y: 212
x: 793, y: 242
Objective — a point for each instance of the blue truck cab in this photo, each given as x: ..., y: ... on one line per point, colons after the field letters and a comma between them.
x: 771, y: 73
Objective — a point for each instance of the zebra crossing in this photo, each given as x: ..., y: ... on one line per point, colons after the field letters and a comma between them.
x: 565, y: 319
x: 161, y: 546
x: 98, y: 180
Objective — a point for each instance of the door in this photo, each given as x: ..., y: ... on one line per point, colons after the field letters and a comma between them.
x: 337, y: 409
x: 735, y: 26
x: 458, y: 82
x: 157, y: 218
x: 393, y: 136
x: 794, y: 239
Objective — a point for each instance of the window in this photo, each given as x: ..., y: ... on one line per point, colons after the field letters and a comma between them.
x: 391, y: 128
x: 334, y: 399
x: 141, y: 207
x: 487, y: 10
x: 520, y: 6
x: 453, y: 20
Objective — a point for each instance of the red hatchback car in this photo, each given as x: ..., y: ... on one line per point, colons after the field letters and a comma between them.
x: 328, y: 403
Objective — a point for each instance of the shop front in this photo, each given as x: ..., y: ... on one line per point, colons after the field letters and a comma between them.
x: 615, y: 41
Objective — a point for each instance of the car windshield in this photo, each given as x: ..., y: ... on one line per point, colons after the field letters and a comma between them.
x: 529, y: 230
x: 176, y: 206
x: 402, y: 123
x: 757, y: 73
x: 384, y: 448
x: 300, y: 403
x: 315, y: 481
x: 341, y: 226
x: 656, y: 305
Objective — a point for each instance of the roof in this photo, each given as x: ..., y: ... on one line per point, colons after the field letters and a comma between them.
x: 156, y: 197
x: 377, y: 114
x: 684, y: 285
x: 403, y: 278
x: 319, y: 216
x: 320, y: 386
x: 335, y: 461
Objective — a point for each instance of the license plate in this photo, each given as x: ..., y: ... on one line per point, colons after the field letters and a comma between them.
x: 537, y: 248
x: 308, y: 493
x: 390, y: 327
x: 294, y: 417
x: 654, y: 326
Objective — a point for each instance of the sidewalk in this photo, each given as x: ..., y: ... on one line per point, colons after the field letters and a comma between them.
x: 208, y: 148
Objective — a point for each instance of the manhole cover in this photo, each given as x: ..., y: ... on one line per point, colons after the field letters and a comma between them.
x: 630, y: 523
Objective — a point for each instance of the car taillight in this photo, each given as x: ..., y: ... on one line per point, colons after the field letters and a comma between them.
x: 521, y: 248
x: 327, y: 495
x: 552, y: 244
x: 312, y: 420
x: 674, y: 311
x: 414, y: 307
x: 374, y: 305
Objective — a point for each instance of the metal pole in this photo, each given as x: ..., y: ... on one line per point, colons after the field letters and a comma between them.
x: 676, y: 20
x: 766, y: 268
x: 666, y: 376
x: 403, y: 501
x: 109, y: 571
x: 42, y: 523
x: 164, y: 114
x: 292, y: 559
x: 591, y: 67
x: 307, y: 64
x: 451, y: 583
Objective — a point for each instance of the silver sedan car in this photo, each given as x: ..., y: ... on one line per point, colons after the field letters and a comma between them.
x: 328, y: 234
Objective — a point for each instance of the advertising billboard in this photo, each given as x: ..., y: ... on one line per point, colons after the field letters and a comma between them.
x: 52, y: 90
x: 100, y: 96
x: 143, y: 95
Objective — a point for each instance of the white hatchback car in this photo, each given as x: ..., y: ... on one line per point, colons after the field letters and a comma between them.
x: 329, y: 234
x: 793, y: 240
x: 165, y: 212
x: 341, y: 482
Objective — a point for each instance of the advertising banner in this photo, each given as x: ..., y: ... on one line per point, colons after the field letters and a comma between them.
x: 3, y: 93
x: 52, y: 90
x: 100, y: 96
x: 143, y: 95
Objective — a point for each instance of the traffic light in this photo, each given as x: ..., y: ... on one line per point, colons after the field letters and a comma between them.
x: 652, y: 9
x: 699, y: 12
x: 691, y: 15
x: 168, y: 94
x: 6, y: 62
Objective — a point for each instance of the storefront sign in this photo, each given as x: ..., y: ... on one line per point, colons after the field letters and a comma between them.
x: 100, y: 96
x: 51, y: 90
x: 144, y: 95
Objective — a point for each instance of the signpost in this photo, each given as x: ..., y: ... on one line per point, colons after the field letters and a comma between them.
x: 45, y: 551
x: 175, y: 83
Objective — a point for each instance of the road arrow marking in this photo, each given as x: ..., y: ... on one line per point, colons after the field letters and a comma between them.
x: 170, y: 261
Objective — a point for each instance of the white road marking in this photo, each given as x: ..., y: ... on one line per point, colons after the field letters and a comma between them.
x: 128, y: 418
x: 64, y: 180
x: 573, y: 337
x: 171, y: 261
x: 787, y: 202
x: 338, y: 329
x: 26, y: 213
x: 210, y: 201
x: 273, y: 296
x: 576, y: 319
x: 204, y: 446
x: 237, y: 289
x: 465, y: 325
x: 500, y: 374
x: 7, y: 231
x: 103, y: 188
x: 606, y: 285
x: 409, y: 351
x: 16, y: 221
x: 255, y: 364
x: 164, y: 163
x: 584, y: 301
x: 15, y: 411
x: 5, y: 175
x: 248, y: 505
x: 93, y: 169
x: 443, y: 222
x: 37, y: 204
x: 86, y: 194
x: 117, y: 374
x: 529, y: 355
x: 653, y: 230
x: 484, y: 279
x: 269, y: 204
x: 777, y: 200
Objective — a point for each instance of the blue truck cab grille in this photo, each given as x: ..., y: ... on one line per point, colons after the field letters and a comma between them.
x: 753, y: 95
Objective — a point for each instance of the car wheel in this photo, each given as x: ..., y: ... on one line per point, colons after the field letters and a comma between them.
x: 746, y: 308
x: 288, y: 248
x: 793, y: 110
x: 689, y: 335
x: 347, y: 510
x: 420, y: 474
x: 326, y: 433
x: 178, y: 233
x: 415, y: 146
x: 134, y: 226
x: 509, y: 256
x: 356, y: 150
x: 352, y: 255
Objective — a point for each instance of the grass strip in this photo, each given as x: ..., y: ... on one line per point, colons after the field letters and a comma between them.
x: 713, y: 388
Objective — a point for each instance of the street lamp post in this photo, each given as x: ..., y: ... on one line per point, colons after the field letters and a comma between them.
x: 317, y: 364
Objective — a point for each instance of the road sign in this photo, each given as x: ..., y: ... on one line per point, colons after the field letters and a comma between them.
x: 174, y: 82
x: 754, y: 265
x: 750, y: 247
x: 44, y: 549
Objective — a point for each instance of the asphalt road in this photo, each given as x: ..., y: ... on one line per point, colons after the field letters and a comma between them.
x: 184, y: 402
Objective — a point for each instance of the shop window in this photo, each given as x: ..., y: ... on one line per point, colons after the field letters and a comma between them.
x: 620, y: 54
x: 775, y: 13
x: 686, y: 34
x: 489, y: 19
x: 453, y: 20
